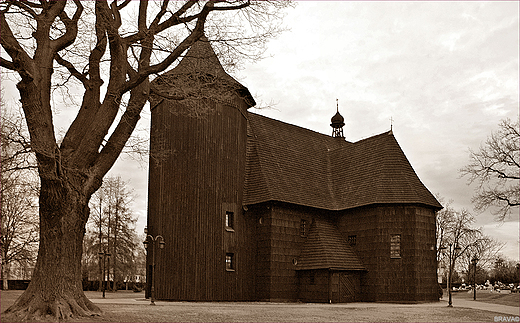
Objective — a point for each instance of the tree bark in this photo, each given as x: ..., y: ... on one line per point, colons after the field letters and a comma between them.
x: 56, y: 287
x: 5, y: 274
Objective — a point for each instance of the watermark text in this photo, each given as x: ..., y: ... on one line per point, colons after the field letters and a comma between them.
x: 507, y: 319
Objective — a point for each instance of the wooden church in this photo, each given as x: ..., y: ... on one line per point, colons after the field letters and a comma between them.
x: 255, y: 209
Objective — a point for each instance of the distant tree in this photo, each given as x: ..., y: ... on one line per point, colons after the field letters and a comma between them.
x: 495, y: 167
x: 444, y: 222
x: 105, y: 54
x: 483, y: 248
x: 454, y: 228
x: 505, y: 271
x: 111, y: 229
x: 18, y: 198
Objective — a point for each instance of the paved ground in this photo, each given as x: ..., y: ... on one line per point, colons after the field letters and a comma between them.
x: 458, y: 303
x: 458, y: 300
x: 132, y: 307
x: 504, y: 309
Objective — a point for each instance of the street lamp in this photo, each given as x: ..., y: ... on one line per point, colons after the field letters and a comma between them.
x: 161, y: 246
x: 103, y: 255
x: 452, y: 257
x: 474, y: 262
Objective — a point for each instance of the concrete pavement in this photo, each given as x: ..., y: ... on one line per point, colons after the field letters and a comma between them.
x: 504, y: 309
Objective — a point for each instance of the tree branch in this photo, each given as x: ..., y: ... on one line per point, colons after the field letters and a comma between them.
x: 71, y: 28
x: 7, y: 64
x: 237, y: 7
x: 73, y: 71
x: 21, y: 61
x: 25, y: 6
x: 197, y: 32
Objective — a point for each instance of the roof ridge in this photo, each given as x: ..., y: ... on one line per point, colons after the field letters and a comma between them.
x: 389, y: 133
x: 327, y: 137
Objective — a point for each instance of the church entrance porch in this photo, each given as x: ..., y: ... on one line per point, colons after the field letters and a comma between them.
x: 329, y: 286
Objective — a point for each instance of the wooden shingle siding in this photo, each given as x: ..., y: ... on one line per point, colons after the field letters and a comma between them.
x: 412, y: 277
x: 314, y: 286
x: 278, y: 244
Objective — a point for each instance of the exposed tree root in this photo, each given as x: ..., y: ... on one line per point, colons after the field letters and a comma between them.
x: 34, y: 308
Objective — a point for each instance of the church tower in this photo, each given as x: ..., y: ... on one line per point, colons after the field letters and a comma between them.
x: 337, y: 123
x: 197, y: 169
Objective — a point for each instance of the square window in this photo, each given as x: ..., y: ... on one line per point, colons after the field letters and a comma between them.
x: 395, y: 246
x: 230, y: 220
x: 230, y: 262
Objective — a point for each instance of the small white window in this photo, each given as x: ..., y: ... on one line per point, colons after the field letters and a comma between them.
x: 230, y: 220
x: 230, y: 262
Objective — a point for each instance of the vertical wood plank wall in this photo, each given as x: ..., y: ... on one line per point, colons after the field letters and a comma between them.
x: 196, y: 173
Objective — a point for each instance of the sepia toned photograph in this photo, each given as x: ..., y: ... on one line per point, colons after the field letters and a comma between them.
x: 260, y: 161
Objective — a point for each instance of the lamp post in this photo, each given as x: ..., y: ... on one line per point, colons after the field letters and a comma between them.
x: 103, y: 255
x: 474, y: 262
x: 452, y: 257
x: 161, y: 246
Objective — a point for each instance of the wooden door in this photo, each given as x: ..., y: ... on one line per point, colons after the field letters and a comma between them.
x: 349, y: 287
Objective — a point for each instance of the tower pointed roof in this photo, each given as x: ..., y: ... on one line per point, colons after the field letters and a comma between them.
x: 200, y: 58
x: 199, y: 69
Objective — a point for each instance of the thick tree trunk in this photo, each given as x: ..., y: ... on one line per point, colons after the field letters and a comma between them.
x: 56, y: 286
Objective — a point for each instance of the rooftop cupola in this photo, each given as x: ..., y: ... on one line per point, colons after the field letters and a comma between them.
x: 337, y: 123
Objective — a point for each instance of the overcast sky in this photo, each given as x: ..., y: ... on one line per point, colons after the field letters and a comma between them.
x: 445, y: 72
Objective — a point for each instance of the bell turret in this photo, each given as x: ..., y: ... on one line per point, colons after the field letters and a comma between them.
x: 337, y: 123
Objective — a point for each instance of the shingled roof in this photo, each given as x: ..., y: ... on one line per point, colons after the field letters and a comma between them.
x: 292, y: 164
x: 198, y: 75
x: 325, y: 248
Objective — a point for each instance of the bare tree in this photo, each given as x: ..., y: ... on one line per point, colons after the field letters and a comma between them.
x: 18, y: 198
x: 19, y: 239
x: 482, y: 248
x: 111, y: 50
x: 443, y: 224
x: 454, y: 229
x: 495, y: 168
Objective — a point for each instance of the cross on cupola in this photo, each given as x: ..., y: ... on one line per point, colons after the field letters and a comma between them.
x: 337, y: 123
